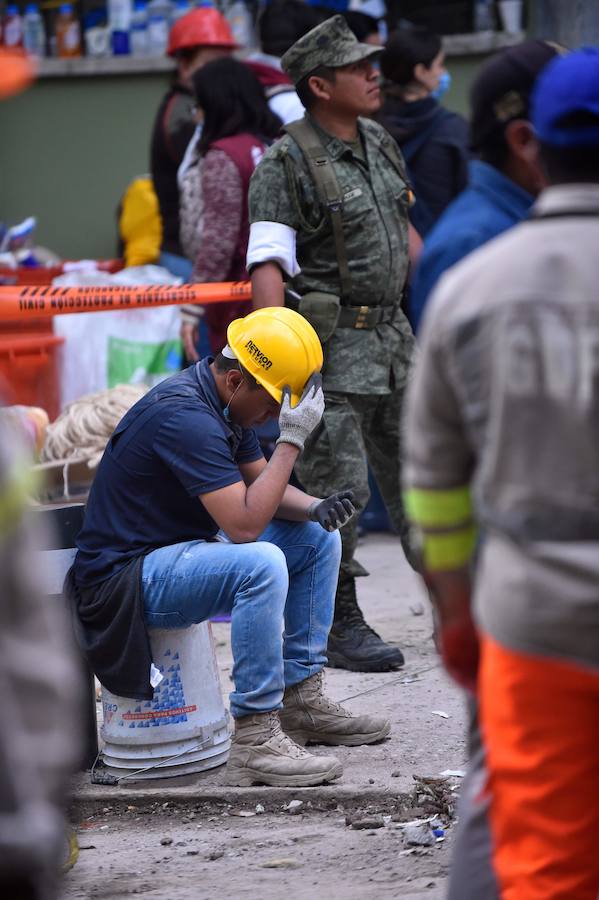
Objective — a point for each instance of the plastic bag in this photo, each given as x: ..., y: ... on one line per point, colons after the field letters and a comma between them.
x: 130, y: 346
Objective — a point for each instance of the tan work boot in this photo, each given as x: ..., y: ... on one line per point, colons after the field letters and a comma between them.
x: 261, y: 753
x: 308, y: 715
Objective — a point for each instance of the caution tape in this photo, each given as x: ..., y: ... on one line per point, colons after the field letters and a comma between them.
x: 28, y: 301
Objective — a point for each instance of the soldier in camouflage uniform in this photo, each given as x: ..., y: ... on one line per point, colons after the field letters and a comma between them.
x: 349, y: 287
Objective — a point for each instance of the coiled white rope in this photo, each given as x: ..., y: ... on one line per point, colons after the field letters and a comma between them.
x: 85, y: 426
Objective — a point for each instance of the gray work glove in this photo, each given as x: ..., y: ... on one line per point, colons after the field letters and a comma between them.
x: 333, y: 512
x: 296, y: 423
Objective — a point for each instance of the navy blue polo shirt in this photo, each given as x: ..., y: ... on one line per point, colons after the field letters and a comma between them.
x: 171, y: 447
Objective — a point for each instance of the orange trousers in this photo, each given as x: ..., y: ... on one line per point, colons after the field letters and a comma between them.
x: 540, y: 724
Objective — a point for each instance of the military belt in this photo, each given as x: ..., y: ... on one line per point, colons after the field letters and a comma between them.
x: 364, y: 316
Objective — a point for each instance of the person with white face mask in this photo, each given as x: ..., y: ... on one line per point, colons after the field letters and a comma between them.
x: 433, y: 141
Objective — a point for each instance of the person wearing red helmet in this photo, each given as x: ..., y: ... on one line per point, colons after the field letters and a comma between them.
x: 195, y: 39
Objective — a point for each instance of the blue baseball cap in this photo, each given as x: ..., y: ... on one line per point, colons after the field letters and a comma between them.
x: 565, y: 100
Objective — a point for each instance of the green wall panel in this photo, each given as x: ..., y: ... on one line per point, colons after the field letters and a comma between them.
x: 463, y: 70
x: 69, y: 148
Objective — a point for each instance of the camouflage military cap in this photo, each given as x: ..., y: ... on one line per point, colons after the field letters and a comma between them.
x: 331, y: 43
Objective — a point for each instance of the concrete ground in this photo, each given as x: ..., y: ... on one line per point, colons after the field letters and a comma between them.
x: 184, y: 838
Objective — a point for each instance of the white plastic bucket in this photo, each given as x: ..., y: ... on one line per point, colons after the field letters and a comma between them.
x: 185, y: 728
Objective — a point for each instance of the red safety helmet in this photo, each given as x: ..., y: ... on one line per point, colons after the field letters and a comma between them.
x: 202, y: 27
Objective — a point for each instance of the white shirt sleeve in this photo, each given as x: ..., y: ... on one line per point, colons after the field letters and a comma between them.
x: 190, y: 156
x: 287, y: 106
x: 273, y: 242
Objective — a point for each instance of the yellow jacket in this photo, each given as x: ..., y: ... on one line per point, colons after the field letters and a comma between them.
x: 140, y: 226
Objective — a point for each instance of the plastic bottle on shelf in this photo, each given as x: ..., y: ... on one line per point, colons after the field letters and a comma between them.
x: 34, y: 33
x: 138, y: 36
x: 484, y: 17
x: 96, y: 33
x: 159, y: 16
x: 182, y: 7
x: 119, y: 22
x: 12, y: 27
x: 239, y: 18
x: 68, y: 32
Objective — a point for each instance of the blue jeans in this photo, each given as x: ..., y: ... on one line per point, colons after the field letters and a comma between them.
x: 177, y: 265
x: 280, y: 592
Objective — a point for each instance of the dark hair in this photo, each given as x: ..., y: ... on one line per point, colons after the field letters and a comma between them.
x: 493, y: 148
x: 284, y: 22
x: 233, y: 102
x: 565, y: 165
x: 304, y: 91
x: 405, y: 49
x: 186, y: 54
x: 361, y: 24
x: 224, y: 364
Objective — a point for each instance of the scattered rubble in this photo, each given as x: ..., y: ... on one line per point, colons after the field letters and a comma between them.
x: 362, y: 824
x: 434, y: 795
x: 420, y: 835
x: 294, y: 807
x: 283, y: 863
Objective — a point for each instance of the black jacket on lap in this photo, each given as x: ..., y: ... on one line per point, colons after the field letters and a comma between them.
x: 111, y: 632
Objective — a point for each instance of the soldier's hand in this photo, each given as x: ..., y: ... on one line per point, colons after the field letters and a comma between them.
x: 296, y: 423
x: 333, y: 512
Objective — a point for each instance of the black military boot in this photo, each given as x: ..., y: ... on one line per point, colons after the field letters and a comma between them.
x: 353, y: 644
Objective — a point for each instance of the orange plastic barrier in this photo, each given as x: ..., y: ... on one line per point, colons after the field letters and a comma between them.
x: 29, y: 302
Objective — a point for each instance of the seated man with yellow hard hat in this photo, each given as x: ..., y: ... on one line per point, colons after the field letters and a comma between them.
x: 186, y: 520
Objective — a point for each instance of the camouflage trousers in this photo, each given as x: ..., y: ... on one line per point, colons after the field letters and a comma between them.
x: 357, y: 430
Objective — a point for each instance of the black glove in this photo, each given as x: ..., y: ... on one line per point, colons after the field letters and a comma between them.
x: 334, y: 511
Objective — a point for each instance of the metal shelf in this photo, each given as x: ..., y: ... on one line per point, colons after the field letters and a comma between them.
x: 92, y: 66
x: 480, y: 42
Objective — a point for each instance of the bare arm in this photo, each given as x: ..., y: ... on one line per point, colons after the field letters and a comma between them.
x: 450, y: 593
x: 414, y: 246
x: 243, y: 511
x: 456, y: 634
x: 294, y: 504
x: 267, y: 285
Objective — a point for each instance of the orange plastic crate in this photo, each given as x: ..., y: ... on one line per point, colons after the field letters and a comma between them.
x: 29, y: 370
x: 47, y: 274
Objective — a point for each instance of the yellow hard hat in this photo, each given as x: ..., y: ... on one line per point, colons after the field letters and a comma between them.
x: 277, y: 346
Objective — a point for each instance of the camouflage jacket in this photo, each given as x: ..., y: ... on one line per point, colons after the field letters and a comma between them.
x: 375, y: 226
